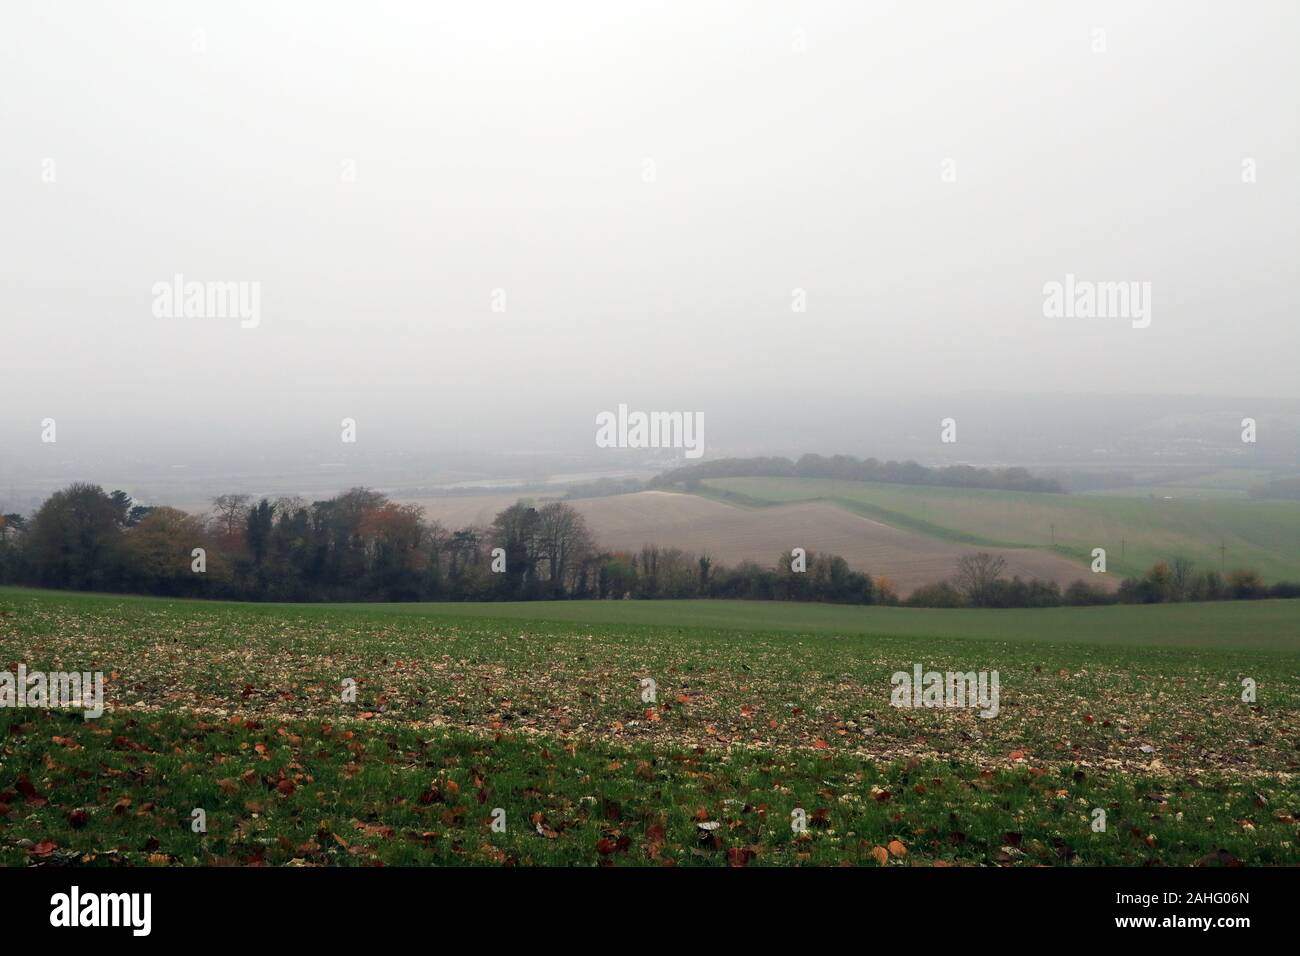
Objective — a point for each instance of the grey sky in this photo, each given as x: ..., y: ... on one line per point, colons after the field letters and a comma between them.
x: 503, y: 145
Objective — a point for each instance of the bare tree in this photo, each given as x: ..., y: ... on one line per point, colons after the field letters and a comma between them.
x: 976, y: 575
x: 1180, y: 578
x: 230, y: 514
x: 562, y: 542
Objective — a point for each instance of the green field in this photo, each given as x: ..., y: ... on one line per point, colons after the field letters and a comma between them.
x: 1233, y: 483
x: 761, y: 711
x: 1136, y: 532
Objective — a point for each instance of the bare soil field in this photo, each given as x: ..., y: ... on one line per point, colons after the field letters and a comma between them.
x: 731, y: 534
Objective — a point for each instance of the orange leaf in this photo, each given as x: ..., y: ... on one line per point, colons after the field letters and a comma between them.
x: 739, y: 856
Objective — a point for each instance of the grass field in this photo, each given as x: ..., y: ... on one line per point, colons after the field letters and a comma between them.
x: 761, y: 711
x: 1219, y: 483
x: 1136, y: 532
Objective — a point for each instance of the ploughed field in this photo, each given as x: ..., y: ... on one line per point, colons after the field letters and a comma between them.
x: 1136, y: 531
x: 731, y: 534
x: 534, y: 715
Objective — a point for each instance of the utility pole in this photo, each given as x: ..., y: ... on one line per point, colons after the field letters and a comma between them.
x: 1222, y: 549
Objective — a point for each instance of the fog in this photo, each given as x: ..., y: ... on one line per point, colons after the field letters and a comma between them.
x: 472, y: 227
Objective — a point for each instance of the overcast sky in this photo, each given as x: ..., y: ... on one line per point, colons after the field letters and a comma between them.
x: 648, y: 184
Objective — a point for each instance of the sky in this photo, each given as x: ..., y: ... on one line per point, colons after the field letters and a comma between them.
x: 470, y: 224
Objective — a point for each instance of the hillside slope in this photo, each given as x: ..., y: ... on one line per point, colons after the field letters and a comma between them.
x: 731, y: 534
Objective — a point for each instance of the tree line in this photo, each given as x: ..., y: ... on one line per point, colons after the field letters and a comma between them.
x: 979, y: 582
x: 360, y: 546
x: 848, y: 468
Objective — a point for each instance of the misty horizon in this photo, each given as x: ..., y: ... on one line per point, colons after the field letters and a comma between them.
x: 477, y: 231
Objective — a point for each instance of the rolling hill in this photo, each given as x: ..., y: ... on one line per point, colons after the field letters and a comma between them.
x: 731, y: 534
x: 1135, y: 531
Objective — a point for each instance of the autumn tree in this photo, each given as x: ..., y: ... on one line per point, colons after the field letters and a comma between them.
x: 1156, y: 583
x: 886, y: 590
x: 159, y: 553
x: 1244, y: 584
x: 393, y: 538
